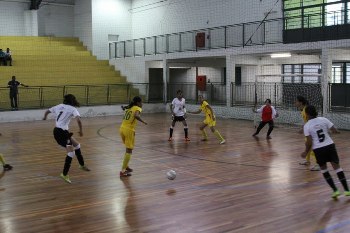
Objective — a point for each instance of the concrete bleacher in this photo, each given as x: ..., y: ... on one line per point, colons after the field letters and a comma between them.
x: 56, y: 62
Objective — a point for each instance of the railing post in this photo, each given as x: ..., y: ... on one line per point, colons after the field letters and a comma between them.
x: 225, y: 36
x: 109, y: 48
x: 243, y: 31
x: 180, y: 43
x: 87, y: 95
x: 144, y: 47
x: 124, y: 49
x: 133, y: 48
x: 41, y: 97
x: 115, y: 49
x: 167, y: 43
x: 155, y: 45
x: 108, y: 94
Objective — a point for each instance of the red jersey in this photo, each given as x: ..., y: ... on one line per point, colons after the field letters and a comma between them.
x: 268, y: 112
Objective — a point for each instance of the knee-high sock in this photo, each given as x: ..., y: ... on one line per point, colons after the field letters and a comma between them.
x: 270, y: 130
x: 79, y: 155
x: 126, y: 160
x: 329, y: 179
x: 342, y: 179
x: 2, y: 160
x: 186, y: 131
x: 67, y: 164
x: 171, y: 132
x: 218, y: 135
x: 204, y: 133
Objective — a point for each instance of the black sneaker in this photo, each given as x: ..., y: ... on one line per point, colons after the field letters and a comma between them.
x: 128, y: 169
x: 124, y: 174
x: 7, y: 167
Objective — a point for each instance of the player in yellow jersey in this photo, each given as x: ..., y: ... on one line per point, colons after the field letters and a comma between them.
x: 301, y: 104
x: 210, y: 120
x: 127, y: 131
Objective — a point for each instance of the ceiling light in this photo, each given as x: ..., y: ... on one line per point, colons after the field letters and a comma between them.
x: 280, y: 55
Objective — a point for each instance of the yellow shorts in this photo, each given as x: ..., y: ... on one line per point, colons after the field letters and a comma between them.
x: 209, y: 122
x: 128, y: 137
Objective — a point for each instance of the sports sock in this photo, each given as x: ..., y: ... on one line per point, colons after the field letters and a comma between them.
x: 126, y: 160
x: 329, y: 179
x: 2, y: 160
x: 186, y: 131
x: 79, y: 155
x: 218, y: 135
x: 171, y: 132
x: 204, y: 133
x: 67, y: 164
x: 342, y: 179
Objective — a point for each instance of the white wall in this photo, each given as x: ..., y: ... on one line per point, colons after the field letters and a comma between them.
x: 109, y: 17
x: 150, y: 18
x: 12, y: 18
x: 56, y: 20
x: 15, y: 19
x: 83, y: 22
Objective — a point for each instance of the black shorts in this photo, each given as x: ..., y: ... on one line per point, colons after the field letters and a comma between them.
x: 179, y: 118
x: 62, y: 136
x: 326, y: 154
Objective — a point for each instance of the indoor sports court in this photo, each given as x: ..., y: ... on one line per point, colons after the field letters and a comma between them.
x: 245, y: 185
x: 176, y: 116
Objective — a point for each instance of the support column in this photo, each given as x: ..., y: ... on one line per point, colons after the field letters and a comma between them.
x: 326, y: 60
x: 31, y: 23
x: 165, y: 80
x: 230, y: 77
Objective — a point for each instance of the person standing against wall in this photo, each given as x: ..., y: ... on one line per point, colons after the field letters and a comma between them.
x: 13, y: 85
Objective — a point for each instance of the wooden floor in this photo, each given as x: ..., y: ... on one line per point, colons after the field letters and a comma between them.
x: 246, y: 185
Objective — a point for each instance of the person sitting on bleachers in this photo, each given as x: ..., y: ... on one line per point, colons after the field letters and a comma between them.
x: 8, y: 56
x: 2, y: 58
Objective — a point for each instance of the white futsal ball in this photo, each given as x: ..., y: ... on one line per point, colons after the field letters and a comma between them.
x: 171, y: 174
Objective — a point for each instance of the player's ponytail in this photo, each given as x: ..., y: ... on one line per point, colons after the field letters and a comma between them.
x: 134, y: 102
x: 70, y: 99
x: 302, y: 100
x: 311, y: 111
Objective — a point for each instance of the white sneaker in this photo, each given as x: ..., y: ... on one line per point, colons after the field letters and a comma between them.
x: 222, y: 142
x: 316, y: 167
x: 304, y: 162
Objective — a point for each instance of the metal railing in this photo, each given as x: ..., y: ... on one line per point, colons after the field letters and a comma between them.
x: 237, y: 35
x: 282, y: 95
x: 36, y: 97
x: 269, y: 31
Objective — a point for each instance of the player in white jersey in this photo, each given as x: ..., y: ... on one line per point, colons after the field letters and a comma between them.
x: 64, y: 113
x: 178, y: 110
x: 318, y: 139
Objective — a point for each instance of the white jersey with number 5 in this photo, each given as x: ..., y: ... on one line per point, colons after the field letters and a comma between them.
x: 64, y: 113
x: 179, y: 106
x: 318, y: 128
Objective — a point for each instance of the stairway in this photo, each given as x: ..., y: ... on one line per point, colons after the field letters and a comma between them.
x: 55, y: 64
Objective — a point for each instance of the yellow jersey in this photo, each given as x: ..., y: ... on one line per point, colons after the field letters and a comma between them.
x: 303, y: 115
x: 206, y: 110
x: 129, y: 120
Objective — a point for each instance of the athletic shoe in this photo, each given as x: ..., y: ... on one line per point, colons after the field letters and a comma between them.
x: 347, y: 193
x: 304, y: 162
x: 204, y: 139
x: 170, y: 139
x: 335, y: 194
x: 316, y: 167
x: 7, y: 167
x: 128, y: 169
x: 268, y: 137
x: 84, y: 168
x: 124, y: 174
x: 254, y: 135
x: 222, y: 142
x: 187, y: 139
x: 65, y: 178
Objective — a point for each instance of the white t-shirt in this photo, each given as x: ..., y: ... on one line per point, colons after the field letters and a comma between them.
x: 318, y: 128
x: 178, y: 106
x: 64, y: 113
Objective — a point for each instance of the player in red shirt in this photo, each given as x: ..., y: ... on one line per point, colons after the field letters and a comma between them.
x: 268, y: 113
